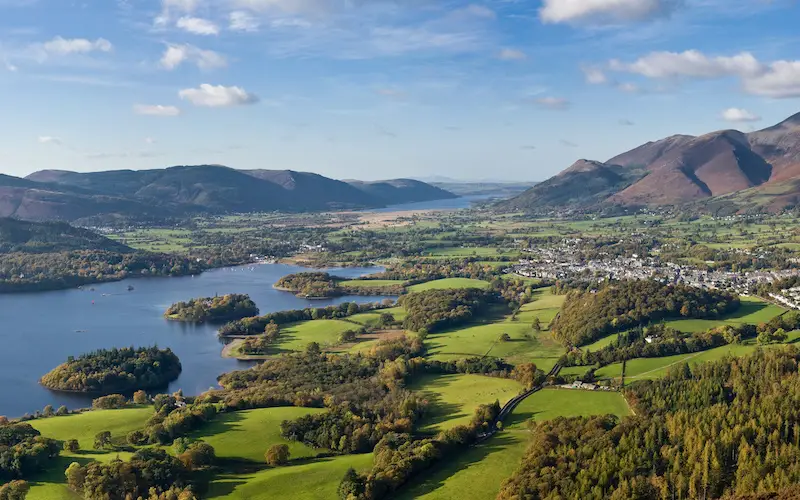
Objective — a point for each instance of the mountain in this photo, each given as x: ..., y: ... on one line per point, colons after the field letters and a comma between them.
x: 397, y: 191
x: 762, y: 165
x: 175, y: 191
x: 43, y: 237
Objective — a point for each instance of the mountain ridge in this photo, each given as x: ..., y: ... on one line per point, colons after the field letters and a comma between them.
x: 180, y: 190
x: 677, y: 170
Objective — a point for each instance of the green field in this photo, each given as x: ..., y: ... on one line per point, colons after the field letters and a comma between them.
x: 246, y: 435
x: 325, y: 332
x: 316, y: 480
x: 455, y: 397
x: 479, y: 471
x: 481, y: 337
x: 449, y: 283
x: 371, y: 318
x: 83, y: 427
x: 371, y: 283
x: 752, y: 311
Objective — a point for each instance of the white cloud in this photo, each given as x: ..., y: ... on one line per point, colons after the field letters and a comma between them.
x: 595, y: 76
x: 175, y: 55
x: 240, y: 20
x: 739, y: 115
x: 218, y: 96
x: 149, y: 140
x: 571, y: 11
x: 197, y: 25
x: 512, y: 55
x: 168, y: 7
x: 155, y: 110
x: 778, y: 79
x: 59, y: 45
x: 48, y: 139
x: 781, y: 79
x: 553, y: 102
x: 691, y: 63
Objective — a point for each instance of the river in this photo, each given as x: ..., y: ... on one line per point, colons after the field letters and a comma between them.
x: 40, y: 330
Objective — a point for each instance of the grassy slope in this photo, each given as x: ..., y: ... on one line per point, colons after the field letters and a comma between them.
x: 480, y: 338
x: 478, y: 472
x: 323, y: 331
x: 246, y: 435
x: 455, y: 397
x: 449, y: 283
x: 83, y: 427
x: 317, y: 480
x: 371, y: 318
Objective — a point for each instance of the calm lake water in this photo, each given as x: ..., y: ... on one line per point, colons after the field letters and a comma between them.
x: 39, y: 331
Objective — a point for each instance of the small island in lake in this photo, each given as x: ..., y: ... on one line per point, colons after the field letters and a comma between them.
x: 320, y: 285
x: 114, y: 371
x: 213, y: 309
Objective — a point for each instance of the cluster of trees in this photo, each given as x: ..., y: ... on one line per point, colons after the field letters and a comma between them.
x: 589, y: 315
x: 415, y: 271
x: 108, y: 371
x: 257, y: 325
x: 312, y: 284
x: 665, y: 341
x: 434, y: 310
x: 517, y: 291
x: 398, y: 456
x: 24, y: 451
x: 28, y: 272
x: 730, y: 427
x: 259, y: 345
x: 150, y: 474
x: 213, y: 309
x: 15, y: 490
x: 173, y: 417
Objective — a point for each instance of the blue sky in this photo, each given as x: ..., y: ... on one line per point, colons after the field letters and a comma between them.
x: 370, y: 89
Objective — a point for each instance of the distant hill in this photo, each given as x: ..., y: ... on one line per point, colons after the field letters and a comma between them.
x: 397, y: 191
x: 64, y: 195
x: 760, y: 169
x: 44, y: 237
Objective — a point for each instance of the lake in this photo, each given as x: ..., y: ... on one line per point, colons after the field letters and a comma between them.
x: 40, y: 330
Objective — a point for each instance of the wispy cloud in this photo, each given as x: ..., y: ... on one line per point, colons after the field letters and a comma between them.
x: 218, y: 96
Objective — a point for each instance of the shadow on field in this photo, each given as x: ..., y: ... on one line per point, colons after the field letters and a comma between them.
x: 437, y: 476
x: 226, y: 422
x: 746, y: 309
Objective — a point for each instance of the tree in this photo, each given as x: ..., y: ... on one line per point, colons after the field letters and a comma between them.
x: 102, y: 440
x: 505, y: 338
x: 277, y: 454
x: 528, y: 375
x: 48, y: 411
x: 198, y: 455
x: 62, y: 410
x: 386, y: 319
x: 72, y: 445
x: 140, y: 398
x: 313, y: 349
x: 352, y: 486
x: 15, y: 490
x: 537, y: 324
x: 76, y: 476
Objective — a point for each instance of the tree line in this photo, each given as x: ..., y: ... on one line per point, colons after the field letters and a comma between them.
x: 588, y: 315
x: 433, y: 310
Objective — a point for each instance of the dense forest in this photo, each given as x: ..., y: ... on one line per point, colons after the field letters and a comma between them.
x: 730, y: 427
x: 115, y: 371
x: 213, y: 309
x: 29, y: 272
x: 23, y: 451
x: 48, y: 237
x: 589, y: 315
x: 434, y: 310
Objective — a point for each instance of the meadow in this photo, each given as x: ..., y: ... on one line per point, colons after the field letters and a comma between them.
x: 455, y: 397
x: 449, y: 283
